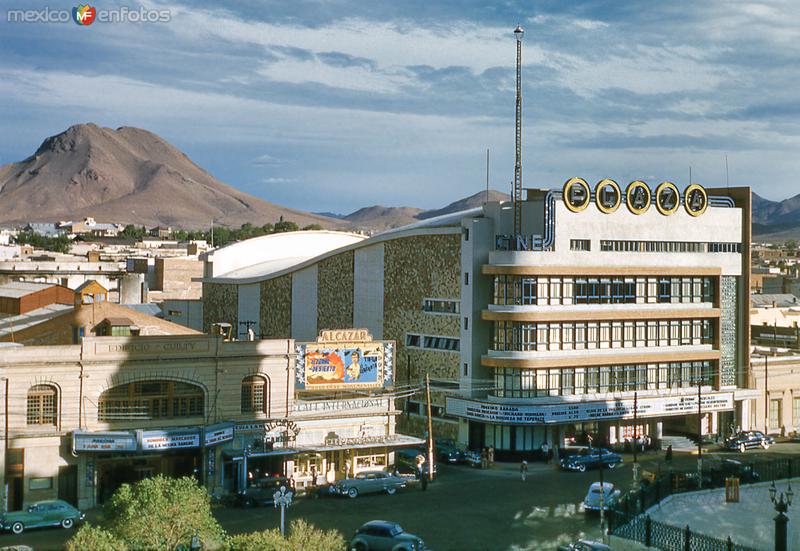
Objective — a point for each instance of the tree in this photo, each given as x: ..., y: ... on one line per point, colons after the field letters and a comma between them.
x: 95, y: 538
x: 159, y: 513
x: 312, y: 227
x: 284, y: 226
x: 791, y: 244
x: 302, y: 537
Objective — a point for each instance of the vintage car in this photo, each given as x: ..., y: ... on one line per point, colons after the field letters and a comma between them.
x: 585, y: 545
x: 590, y: 458
x: 718, y: 471
x: 369, y: 482
x: 405, y: 460
x: 448, y: 451
x: 53, y: 512
x: 262, y: 491
x: 381, y: 535
x: 601, y: 496
x: 749, y: 439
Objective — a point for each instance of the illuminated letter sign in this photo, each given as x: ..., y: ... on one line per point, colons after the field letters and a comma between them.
x: 667, y: 198
x: 576, y: 194
x: 696, y: 200
x: 607, y: 196
x: 638, y: 197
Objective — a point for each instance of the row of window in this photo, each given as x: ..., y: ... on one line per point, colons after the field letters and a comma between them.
x: 529, y: 290
x: 432, y: 342
x: 146, y: 400
x: 532, y: 383
x: 617, y: 245
x: 441, y: 306
x: 529, y: 336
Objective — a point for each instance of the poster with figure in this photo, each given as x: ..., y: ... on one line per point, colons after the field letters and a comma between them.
x: 358, y: 362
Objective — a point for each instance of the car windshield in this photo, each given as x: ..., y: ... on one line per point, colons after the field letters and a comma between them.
x: 395, y: 530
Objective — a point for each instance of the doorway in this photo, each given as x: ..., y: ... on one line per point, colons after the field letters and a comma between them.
x: 68, y: 484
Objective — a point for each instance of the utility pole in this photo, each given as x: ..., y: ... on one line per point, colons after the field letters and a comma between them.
x: 699, y: 433
x: 766, y: 393
x: 518, y: 34
x: 602, y: 496
x: 487, y: 175
x: 430, y: 427
x: 635, y: 440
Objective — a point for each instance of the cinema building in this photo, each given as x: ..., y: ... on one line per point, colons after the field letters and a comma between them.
x: 600, y: 298
x: 84, y: 419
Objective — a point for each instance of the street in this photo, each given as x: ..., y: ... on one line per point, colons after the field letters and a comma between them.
x: 465, y: 509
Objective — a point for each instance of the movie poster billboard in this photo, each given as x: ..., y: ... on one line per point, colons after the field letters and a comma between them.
x: 344, y: 359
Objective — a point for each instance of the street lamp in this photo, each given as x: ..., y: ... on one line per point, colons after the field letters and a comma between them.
x: 781, y: 504
x: 282, y: 499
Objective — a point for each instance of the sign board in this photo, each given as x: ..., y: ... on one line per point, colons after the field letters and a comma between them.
x: 217, y: 434
x: 329, y: 406
x: 121, y: 441
x: 608, y: 196
x: 169, y: 439
x: 514, y: 414
x: 344, y: 359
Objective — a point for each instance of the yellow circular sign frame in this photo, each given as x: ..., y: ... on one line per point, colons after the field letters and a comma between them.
x: 568, y: 185
x: 630, y: 189
x: 686, y: 195
x: 599, y: 188
x: 661, y: 187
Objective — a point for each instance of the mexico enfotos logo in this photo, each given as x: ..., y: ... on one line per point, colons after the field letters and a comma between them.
x: 85, y: 14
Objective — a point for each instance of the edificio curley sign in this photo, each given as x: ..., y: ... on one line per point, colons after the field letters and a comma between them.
x: 513, y: 414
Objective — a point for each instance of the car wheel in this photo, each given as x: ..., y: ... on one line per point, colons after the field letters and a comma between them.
x: 360, y: 546
x: 742, y: 448
x: 67, y: 523
x: 17, y: 528
x: 352, y: 493
x: 764, y: 444
x: 391, y: 490
x: 582, y: 468
x: 612, y: 465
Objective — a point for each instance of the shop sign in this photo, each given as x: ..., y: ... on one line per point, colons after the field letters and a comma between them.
x: 103, y: 441
x: 512, y: 414
x: 344, y: 359
x: 280, y: 431
x: 334, y: 439
x: 638, y: 197
x: 217, y: 434
x: 322, y: 406
x: 169, y: 440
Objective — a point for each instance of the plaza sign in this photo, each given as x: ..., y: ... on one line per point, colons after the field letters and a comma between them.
x: 608, y: 197
x: 514, y: 414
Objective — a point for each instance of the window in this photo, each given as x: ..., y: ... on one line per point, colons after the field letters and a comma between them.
x: 580, y: 245
x: 466, y: 278
x: 796, y: 411
x: 152, y: 399
x: 775, y: 414
x: 413, y: 340
x: 41, y: 483
x: 432, y: 342
x: 441, y: 306
x: 42, y: 405
x: 255, y: 394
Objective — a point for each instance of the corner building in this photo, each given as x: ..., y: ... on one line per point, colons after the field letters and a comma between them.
x: 549, y: 336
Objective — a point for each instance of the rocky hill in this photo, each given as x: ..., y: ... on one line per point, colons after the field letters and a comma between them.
x: 128, y: 175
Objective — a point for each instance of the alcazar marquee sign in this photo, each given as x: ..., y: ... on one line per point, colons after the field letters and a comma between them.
x: 608, y: 197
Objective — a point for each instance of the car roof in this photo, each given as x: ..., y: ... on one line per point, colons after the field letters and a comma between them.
x: 381, y: 523
x: 605, y: 485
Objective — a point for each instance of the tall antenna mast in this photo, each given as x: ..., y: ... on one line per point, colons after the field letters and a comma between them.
x: 487, y: 175
x: 518, y: 34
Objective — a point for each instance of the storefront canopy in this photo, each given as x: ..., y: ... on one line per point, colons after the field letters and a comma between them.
x: 397, y: 441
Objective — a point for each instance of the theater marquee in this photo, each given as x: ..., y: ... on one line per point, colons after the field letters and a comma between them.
x: 347, y: 358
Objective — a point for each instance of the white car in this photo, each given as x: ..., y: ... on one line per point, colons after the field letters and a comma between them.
x: 597, y: 498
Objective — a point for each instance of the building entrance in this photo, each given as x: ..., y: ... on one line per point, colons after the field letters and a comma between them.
x: 114, y: 472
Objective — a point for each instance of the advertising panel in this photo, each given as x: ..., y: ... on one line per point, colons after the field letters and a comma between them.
x: 217, y: 434
x: 104, y: 441
x: 169, y: 440
x: 512, y: 414
x: 344, y: 359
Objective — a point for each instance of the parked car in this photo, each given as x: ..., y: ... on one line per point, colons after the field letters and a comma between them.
x: 369, y: 482
x: 585, y: 545
x: 472, y: 458
x: 381, y: 535
x: 719, y: 471
x: 601, y: 497
x: 448, y: 451
x: 590, y: 458
x: 405, y: 460
x: 749, y: 439
x: 53, y: 512
x: 262, y: 491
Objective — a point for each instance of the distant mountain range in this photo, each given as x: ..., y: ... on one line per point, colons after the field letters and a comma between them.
x: 130, y: 175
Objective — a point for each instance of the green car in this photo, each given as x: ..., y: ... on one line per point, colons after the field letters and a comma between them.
x: 53, y: 512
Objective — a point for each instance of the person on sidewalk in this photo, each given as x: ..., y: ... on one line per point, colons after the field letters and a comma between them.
x: 668, y: 455
x: 490, y: 456
x: 546, y: 452
x: 484, y: 458
x: 523, y: 470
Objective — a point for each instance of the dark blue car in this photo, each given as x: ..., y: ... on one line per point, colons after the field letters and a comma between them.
x: 590, y: 458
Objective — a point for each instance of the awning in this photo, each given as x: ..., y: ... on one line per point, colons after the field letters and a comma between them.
x: 397, y: 441
x: 238, y: 455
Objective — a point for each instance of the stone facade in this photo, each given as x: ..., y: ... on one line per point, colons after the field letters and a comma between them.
x: 727, y: 346
x: 416, y: 268
x: 220, y: 304
x: 276, y: 308
x: 335, y: 291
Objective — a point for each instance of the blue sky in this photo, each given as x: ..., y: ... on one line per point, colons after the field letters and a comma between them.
x: 331, y: 106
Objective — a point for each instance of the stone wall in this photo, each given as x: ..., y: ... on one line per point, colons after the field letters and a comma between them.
x: 416, y: 268
x: 276, y: 308
x: 335, y: 292
x: 220, y: 304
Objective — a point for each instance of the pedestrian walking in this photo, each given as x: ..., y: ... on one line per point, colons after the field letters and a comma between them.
x: 490, y: 456
x: 423, y: 477
x: 668, y: 455
x: 523, y: 470
x: 484, y: 458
